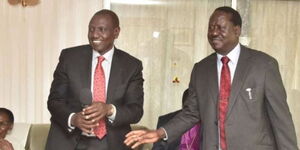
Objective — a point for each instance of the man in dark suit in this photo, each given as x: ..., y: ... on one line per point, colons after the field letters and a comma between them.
x: 101, y: 125
x: 189, y: 140
x: 254, y: 112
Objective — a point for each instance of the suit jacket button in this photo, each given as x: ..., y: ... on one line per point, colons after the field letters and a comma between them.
x: 216, y: 123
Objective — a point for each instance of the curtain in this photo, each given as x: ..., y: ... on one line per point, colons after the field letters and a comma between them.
x: 31, y: 40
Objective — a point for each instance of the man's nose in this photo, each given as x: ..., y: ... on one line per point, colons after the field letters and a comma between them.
x: 96, y: 34
x: 214, y: 32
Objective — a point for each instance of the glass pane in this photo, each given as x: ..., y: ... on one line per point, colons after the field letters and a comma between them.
x: 169, y: 36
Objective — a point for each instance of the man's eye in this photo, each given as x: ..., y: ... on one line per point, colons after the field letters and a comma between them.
x: 102, y: 29
x: 91, y: 29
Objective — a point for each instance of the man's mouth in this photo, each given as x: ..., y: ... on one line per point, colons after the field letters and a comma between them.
x: 96, y: 41
x: 215, y: 39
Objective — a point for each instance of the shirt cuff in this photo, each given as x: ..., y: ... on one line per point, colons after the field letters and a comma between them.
x: 71, y: 128
x: 112, y: 117
x: 166, y: 138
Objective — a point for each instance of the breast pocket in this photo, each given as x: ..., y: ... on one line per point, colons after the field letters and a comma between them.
x: 252, y: 101
x: 249, y: 94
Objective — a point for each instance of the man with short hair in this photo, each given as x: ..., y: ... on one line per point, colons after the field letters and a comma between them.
x: 97, y: 91
x: 236, y: 93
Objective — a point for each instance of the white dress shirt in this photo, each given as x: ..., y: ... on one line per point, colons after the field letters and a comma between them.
x: 233, y: 56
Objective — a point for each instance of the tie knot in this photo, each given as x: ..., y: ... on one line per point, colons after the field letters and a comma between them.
x: 225, y: 60
x: 101, y: 59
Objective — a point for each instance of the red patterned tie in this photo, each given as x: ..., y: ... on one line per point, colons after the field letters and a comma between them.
x: 99, y: 95
x: 223, y: 100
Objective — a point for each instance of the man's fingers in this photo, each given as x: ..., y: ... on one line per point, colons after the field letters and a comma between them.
x: 136, y: 133
x: 95, y: 117
x: 134, y: 141
x: 96, y: 111
x: 129, y: 140
x: 136, y: 144
x: 137, y: 141
x: 135, y: 138
x: 90, y: 130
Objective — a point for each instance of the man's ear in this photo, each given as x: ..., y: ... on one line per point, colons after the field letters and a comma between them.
x: 11, y: 127
x: 237, y: 30
x: 116, y: 32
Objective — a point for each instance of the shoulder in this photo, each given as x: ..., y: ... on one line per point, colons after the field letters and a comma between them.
x: 257, y: 57
x: 206, y: 63
x: 77, y: 50
x: 78, y: 53
x: 126, y: 57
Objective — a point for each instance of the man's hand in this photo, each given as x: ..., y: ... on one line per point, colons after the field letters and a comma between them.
x: 79, y: 120
x: 90, y: 116
x: 97, y: 111
x: 5, y: 145
x: 138, y: 137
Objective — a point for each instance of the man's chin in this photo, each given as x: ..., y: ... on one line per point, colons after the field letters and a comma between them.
x: 97, y: 48
x: 216, y: 47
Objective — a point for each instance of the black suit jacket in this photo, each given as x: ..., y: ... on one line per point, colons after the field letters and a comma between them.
x: 162, y: 145
x: 73, y: 73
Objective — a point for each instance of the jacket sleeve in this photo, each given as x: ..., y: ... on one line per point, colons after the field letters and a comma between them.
x: 129, y: 104
x: 278, y: 110
x: 58, y: 93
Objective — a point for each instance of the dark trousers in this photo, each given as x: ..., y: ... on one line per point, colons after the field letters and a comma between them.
x: 91, y: 143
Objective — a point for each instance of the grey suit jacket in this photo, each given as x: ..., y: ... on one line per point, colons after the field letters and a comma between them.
x: 261, y: 123
x: 73, y: 73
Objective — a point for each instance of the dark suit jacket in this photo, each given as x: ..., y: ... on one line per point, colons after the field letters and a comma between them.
x: 261, y: 123
x: 162, y: 145
x: 73, y: 73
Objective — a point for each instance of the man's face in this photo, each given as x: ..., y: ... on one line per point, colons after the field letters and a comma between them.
x: 102, y: 33
x: 5, y: 125
x: 222, y: 35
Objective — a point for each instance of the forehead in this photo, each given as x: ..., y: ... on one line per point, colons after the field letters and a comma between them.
x: 4, y: 117
x: 219, y: 17
x: 101, y: 19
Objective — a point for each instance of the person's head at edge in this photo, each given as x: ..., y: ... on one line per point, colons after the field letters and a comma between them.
x: 6, y: 122
x: 103, y: 30
x: 224, y: 29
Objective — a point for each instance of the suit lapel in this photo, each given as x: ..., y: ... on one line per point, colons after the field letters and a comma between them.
x: 213, y: 78
x: 240, y: 73
x: 115, y: 75
x: 86, y: 69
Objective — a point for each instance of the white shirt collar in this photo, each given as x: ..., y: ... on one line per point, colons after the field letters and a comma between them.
x: 108, y: 55
x: 233, y: 55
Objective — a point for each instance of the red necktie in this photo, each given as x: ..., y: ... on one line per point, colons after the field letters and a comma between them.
x: 99, y: 95
x: 223, y: 100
